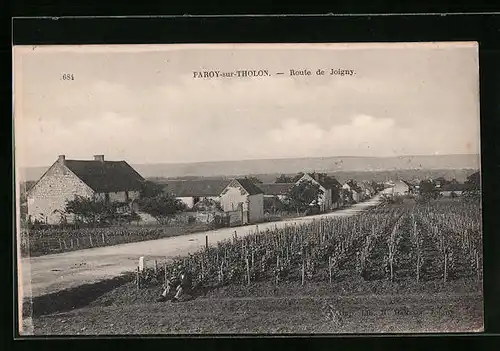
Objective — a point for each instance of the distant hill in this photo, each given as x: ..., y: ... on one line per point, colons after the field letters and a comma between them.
x: 379, y: 176
x: 294, y: 165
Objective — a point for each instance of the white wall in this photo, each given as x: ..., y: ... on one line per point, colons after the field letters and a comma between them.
x: 51, y: 193
x: 230, y: 200
x: 188, y: 201
x: 256, y: 208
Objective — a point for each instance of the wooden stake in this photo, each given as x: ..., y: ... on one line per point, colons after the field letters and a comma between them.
x: 303, y: 272
x: 90, y: 239
x: 202, y: 269
x: 477, y: 266
x: 445, y: 266
x: 138, y: 279
x: 165, y: 273
x: 103, y: 241
x: 206, y: 242
x: 330, y: 268
x: 156, y: 267
x: 60, y: 244
x: 248, y: 271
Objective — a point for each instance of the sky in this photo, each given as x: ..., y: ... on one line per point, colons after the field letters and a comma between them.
x: 142, y: 103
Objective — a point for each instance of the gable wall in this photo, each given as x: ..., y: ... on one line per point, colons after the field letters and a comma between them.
x: 52, y: 191
x: 232, y: 196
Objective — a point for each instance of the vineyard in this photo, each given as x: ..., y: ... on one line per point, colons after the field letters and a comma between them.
x: 36, y: 242
x: 420, y: 242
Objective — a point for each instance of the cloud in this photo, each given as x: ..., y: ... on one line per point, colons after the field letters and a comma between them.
x: 364, y: 135
x: 385, y: 109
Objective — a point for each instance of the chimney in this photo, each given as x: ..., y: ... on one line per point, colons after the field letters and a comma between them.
x: 99, y: 158
x: 61, y: 159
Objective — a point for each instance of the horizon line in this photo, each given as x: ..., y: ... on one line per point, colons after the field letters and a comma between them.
x: 262, y: 159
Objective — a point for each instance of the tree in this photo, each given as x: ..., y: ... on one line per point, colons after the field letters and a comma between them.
x: 441, y: 181
x: 90, y: 210
x: 302, y: 195
x: 284, y: 179
x: 346, y: 196
x: 162, y: 207
x: 428, y: 190
x: 473, y: 186
x: 208, y: 205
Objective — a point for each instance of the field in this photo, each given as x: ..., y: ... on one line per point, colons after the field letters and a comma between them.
x: 440, y: 240
x: 393, y: 268
x: 38, y: 242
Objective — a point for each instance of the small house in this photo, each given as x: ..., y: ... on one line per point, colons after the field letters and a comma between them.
x: 110, y: 181
x: 452, y: 190
x: 244, y: 197
x: 327, y: 185
x: 191, y: 192
x: 401, y: 188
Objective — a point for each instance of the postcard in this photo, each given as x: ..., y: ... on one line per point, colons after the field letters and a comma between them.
x: 248, y: 189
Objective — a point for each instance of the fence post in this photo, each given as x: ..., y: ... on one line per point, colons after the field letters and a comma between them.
x: 156, y: 267
x: 103, y: 241
x: 138, y: 277
x: 90, y: 239
x: 303, y: 272
x: 248, y: 271
x: 206, y: 242
x: 165, y: 273
x: 330, y: 268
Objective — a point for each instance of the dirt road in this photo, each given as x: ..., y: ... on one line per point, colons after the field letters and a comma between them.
x: 51, y: 273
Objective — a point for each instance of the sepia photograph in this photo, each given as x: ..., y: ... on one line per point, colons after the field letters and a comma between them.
x: 248, y: 189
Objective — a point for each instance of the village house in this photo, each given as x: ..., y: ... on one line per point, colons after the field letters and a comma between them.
x: 326, y: 201
x: 276, y: 190
x: 275, y: 196
x: 111, y: 181
x: 453, y: 189
x: 402, y: 188
x: 354, y: 189
x: 191, y: 192
x: 245, y: 199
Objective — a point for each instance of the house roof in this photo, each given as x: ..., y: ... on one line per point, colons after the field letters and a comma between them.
x: 454, y: 187
x: 190, y: 188
x: 410, y: 184
x: 354, y: 186
x: 275, y: 188
x: 249, y: 186
x: 106, y: 176
x: 326, y: 182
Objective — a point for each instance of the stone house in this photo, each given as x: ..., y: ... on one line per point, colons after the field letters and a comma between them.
x: 401, y: 188
x: 244, y: 196
x: 326, y: 201
x: 113, y: 181
x: 354, y: 190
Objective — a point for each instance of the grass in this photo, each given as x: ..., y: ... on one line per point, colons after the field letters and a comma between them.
x: 346, y: 307
x: 356, y: 301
